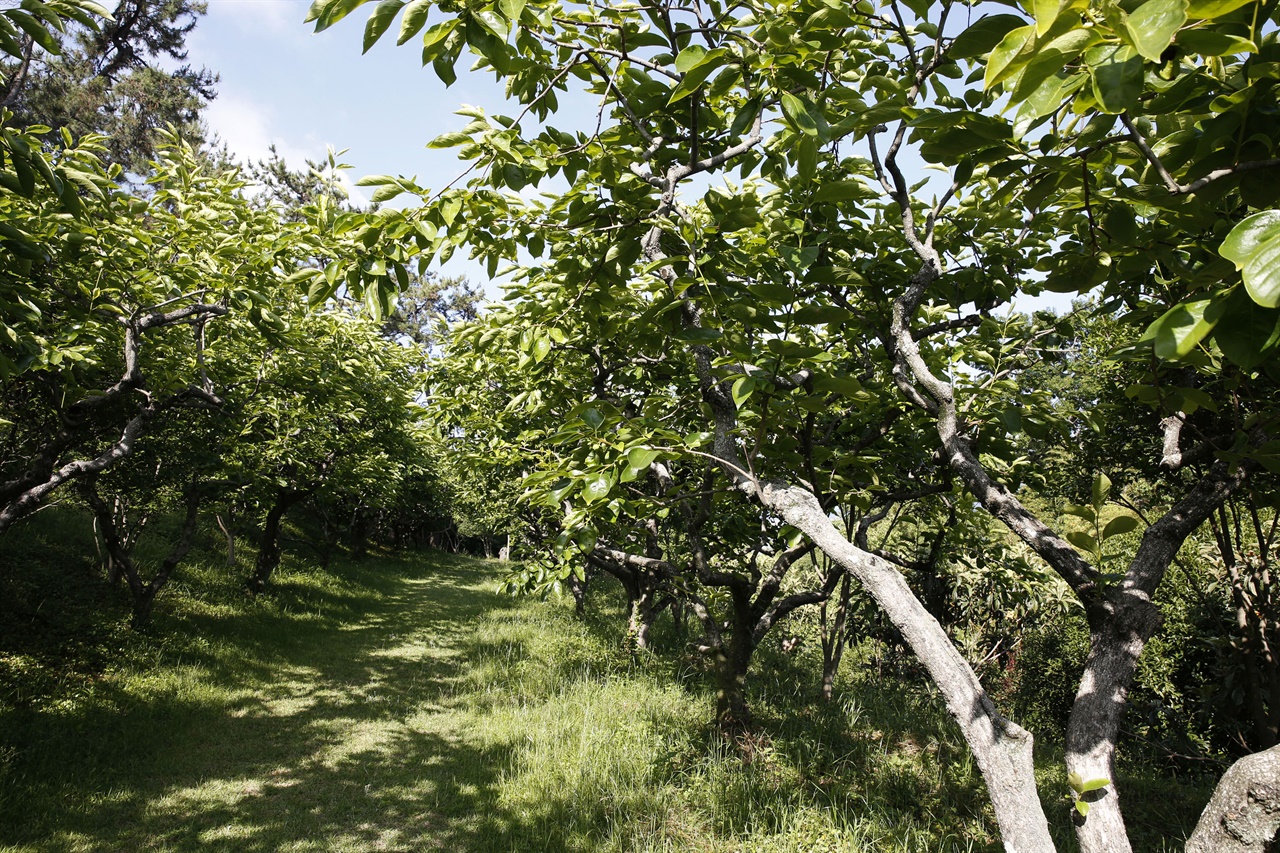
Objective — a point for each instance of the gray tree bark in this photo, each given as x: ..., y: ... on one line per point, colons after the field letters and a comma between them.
x: 1244, y: 814
x: 1002, y: 749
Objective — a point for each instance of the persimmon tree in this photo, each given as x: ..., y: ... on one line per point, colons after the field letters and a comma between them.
x: 106, y: 296
x: 321, y: 410
x: 748, y: 210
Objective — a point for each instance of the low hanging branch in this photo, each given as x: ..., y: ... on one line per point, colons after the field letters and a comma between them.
x: 44, y: 474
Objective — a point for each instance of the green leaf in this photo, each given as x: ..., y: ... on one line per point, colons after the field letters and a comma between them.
x: 1215, y: 8
x: 1101, y: 491
x: 699, y: 335
x: 1121, y: 224
x: 449, y: 140
x: 746, y: 116
x: 733, y: 213
x: 842, y: 191
x: 641, y: 458
x: 697, y: 439
x: 1049, y: 63
x: 695, y: 77
x: 597, y: 488
x: 541, y: 348
x: 321, y: 289
x: 799, y: 113
x: 1193, y: 399
x: 96, y: 8
x: 1085, y: 512
x: 512, y: 9
x: 437, y: 33
x: 1115, y: 527
x: 1117, y: 76
x: 493, y: 22
x: 326, y: 13
x: 1153, y: 25
x: 807, y: 158
x: 379, y: 21
x: 724, y: 83
x: 1000, y: 64
x: 983, y: 35
x: 1082, y: 807
x: 386, y: 193
x: 690, y: 57
x: 1073, y: 273
x: 1180, y: 330
x: 742, y: 390
x: 1083, y: 541
x: 1046, y: 12
x: 846, y: 385
x: 1093, y: 785
x: 415, y: 18
x: 1254, y: 247
x: 36, y: 29
x: 1214, y: 43
x: 1245, y: 332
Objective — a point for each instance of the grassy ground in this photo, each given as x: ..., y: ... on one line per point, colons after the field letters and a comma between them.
x: 401, y: 704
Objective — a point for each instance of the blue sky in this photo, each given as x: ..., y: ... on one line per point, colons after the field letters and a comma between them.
x: 283, y: 84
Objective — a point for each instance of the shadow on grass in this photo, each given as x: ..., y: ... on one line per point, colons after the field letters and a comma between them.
x: 402, y: 704
x: 323, y: 719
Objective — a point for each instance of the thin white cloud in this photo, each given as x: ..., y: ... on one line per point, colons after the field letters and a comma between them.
x: 249, y: 130
x: 277, y: 17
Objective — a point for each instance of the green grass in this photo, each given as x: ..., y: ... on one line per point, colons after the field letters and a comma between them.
x: 402, y: 704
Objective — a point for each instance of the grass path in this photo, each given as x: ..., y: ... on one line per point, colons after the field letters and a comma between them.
x: 332, y: 719
x: 402, y: 704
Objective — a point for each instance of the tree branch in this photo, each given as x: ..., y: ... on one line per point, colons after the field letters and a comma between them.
x: 1171, y: 183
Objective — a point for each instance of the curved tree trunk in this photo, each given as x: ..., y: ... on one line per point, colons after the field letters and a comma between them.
x: 143, y: 593
x: 1096, y: 714
x: 269, y: 550
x: 1002, y: 749
x: 1122, y: 620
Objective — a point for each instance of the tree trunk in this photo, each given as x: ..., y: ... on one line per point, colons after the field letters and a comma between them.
x: 1091, y: 733
x: 732, y: 661
x: 227, y: 526
x: 833, y: 639
x: 1002, y: 749
x: 642, y: 616
x: 142, y: 593
x: 578, y: 588
x: 1244, y: 814
x: 269, y: 550
x: 359, y: 534
x: 1121, y: 621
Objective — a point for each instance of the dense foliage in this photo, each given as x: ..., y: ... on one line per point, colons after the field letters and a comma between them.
x: 165, y: 346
